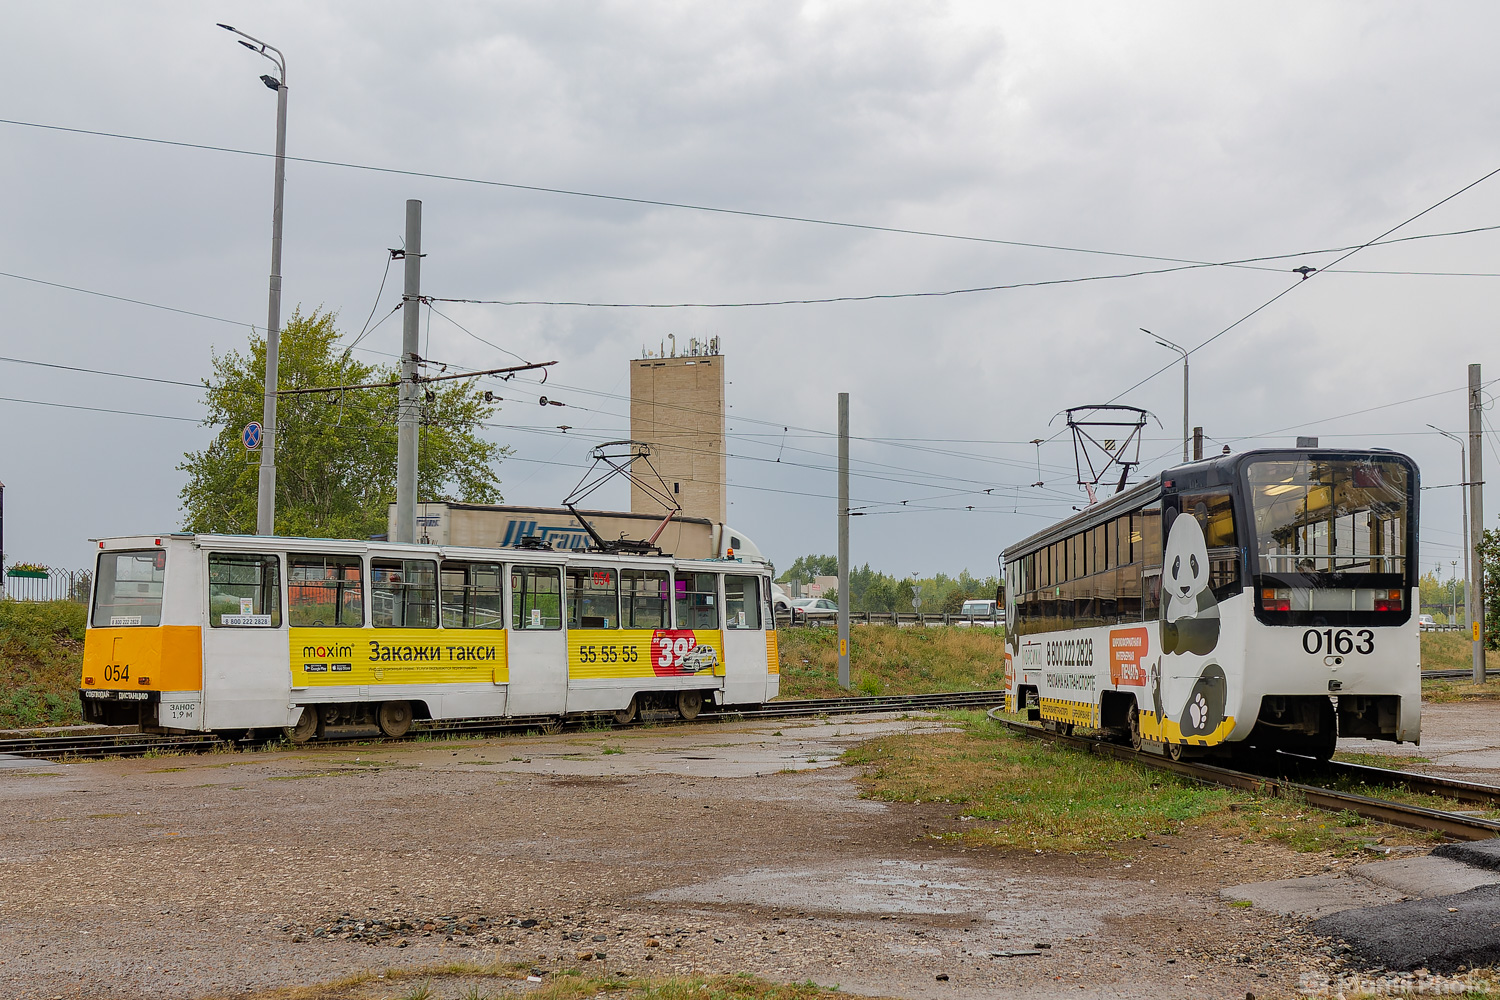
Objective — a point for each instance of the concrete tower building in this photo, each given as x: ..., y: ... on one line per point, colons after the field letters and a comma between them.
x: 677, y: 407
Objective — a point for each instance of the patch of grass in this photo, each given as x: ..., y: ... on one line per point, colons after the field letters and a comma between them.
x: 1450, y: 689
x: 1446, y: 651
x: 1027, y: 794
x: 41, y: 658
x: 1380, y: 759
x: 888, y: 660
x: 570, y: 984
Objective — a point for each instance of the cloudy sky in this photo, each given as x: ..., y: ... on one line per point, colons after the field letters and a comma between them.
x: 1124, y: 138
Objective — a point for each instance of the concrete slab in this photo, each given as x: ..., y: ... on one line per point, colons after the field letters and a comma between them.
x: 1425, y: 877
x: 1440, y: 933
x: 1314, y: 895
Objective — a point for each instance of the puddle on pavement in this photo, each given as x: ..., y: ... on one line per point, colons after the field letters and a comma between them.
x: 880, y: 887
x: 726, y: 751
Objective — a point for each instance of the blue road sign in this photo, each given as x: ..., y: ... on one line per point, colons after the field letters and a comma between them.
x: 251, y: 435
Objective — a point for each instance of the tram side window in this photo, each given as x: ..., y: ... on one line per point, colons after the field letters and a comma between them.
x: 1215, y: 515
x: 244, y: 590
x: 1150, y: 541
x: 697, y: 600
x: 128, y: 588
x: 742, y: 602
x: 535, y: 597
x: 593, y: 601
x: 403, y: 593
x: 325, y: 591
x: 471, y: 595
x: 643, y: 598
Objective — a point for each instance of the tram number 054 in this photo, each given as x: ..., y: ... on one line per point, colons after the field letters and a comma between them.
x: 1338, y: 640
x: 116, y: 672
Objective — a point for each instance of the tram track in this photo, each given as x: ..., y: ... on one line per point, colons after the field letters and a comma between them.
x: 136, y: 744
x: 1458, y: 825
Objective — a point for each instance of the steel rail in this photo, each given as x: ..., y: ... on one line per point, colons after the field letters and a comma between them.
x: 1456, y: 825
x: 136, y: 743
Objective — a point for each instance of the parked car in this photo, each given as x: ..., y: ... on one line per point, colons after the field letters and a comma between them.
x: 1424, y: 620
x: 813, y: 610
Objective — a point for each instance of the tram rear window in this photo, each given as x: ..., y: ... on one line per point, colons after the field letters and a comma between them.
x: 128, y: 588
x: 324, y: 591
x: 1316, y: 516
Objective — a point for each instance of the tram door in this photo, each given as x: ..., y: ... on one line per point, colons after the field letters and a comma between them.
x: 746, y: 616
x: 245, y: 674
x: 537, y: 648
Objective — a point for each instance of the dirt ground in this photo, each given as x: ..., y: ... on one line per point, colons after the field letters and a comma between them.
x: 735, y: 847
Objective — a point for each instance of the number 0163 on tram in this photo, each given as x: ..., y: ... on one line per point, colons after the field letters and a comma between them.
x: 317, y: 637
x: 1256, y: 600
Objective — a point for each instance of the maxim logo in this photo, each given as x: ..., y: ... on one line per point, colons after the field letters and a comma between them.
x: 326, y: 652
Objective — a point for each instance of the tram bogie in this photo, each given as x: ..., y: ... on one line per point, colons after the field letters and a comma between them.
x: 1261, y: 600
x: 322, y: 638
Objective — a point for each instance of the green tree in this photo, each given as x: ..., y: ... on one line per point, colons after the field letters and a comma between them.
x: 810, y: 566
x: 335, y: 452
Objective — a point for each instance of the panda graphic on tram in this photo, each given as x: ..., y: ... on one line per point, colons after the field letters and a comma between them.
x: 1190, y: 626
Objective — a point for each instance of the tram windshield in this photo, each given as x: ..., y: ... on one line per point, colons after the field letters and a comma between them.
x: 128, y: 588
x: 1325, y: 525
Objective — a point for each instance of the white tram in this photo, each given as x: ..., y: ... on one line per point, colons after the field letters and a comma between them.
x: 230, y: 633
x: 1262, y: 600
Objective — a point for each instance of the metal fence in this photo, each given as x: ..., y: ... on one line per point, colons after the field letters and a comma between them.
x: 800, y: 619
x: 46, y: 585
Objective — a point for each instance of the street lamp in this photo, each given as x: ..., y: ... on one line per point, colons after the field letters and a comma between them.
x: 265, y: 503
x: 1164, y: 342
x: 1463, y: 468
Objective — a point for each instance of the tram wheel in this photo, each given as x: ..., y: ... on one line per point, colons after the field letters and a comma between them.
x: 689, y: 704
x: 395, y: 718
x: 626, y: 715
x: 306, y: 727
x: 1133, y: 724
x: 1175, y: 751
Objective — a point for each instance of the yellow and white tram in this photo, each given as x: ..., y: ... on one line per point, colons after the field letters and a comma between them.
x: 231, y: 633
x: 1261, y: 600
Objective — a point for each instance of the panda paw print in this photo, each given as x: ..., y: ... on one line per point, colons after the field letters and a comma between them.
x: 1198, y: 710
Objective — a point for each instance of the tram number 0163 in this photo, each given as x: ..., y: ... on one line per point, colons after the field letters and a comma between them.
x: 608, y: 654
x: 1338, y: 640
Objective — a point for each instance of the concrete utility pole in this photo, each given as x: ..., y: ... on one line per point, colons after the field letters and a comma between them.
x: 265, y: 497
x: 1475, y: 587
x: 408, y: 406
x: 844, y: 540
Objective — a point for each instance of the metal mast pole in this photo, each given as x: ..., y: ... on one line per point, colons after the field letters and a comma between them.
x: 1476, y: 524
x: 844, y: 680
x: 265, y: 496
x: 408, y: 401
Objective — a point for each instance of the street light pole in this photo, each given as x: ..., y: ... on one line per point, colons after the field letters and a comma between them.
x: 1463, y: 496
x: 1164, y: 342
x: 265, y: 503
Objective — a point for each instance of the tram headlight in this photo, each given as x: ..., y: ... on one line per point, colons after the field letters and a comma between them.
x: 1276, y: 598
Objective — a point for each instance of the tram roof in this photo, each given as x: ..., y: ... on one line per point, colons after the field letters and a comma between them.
x: 1219, y: 470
